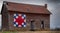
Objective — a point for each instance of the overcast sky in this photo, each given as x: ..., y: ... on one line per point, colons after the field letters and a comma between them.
x: 53, y: 7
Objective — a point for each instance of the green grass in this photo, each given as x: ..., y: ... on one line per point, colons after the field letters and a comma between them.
x: 30, y: 32
x: 9, y: 32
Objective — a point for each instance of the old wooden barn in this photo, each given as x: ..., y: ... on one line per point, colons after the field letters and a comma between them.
x: 20, y: 16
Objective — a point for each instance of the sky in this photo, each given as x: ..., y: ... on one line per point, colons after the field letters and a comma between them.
x: 53, y: 7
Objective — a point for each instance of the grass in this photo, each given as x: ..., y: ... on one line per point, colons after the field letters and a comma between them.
x: 9, y: 32
x: 30, y: 32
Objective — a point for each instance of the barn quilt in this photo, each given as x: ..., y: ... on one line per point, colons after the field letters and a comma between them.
x: 19, y: 20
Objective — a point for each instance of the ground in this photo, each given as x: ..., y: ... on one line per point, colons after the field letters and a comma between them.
x: 30, y: 32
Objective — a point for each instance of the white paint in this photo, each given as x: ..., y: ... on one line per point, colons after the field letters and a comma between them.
x: 19, y: 26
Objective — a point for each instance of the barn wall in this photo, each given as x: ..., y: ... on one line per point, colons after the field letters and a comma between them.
x: 38, y: 19
x: 37, y: 24
x: 4, y: 18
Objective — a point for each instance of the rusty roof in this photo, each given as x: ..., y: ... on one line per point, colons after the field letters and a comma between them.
x: 28, y: 8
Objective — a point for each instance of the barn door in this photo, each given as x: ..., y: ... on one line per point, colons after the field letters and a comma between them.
x: 32, y: 25
x: 42, y: 24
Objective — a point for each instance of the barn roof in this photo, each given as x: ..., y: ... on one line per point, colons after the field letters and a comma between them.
x: 27, y: 8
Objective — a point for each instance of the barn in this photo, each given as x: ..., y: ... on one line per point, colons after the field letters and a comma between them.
x: 20, y: 16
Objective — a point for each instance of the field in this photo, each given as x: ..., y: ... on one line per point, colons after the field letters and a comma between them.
x: 29, y: 31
